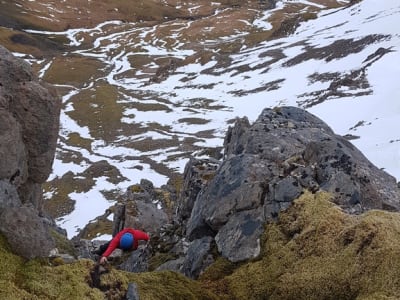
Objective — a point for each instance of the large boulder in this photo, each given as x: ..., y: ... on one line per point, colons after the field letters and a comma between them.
x: 268, y: 164
x: 29, y: 123
x: 29, y: 120
x: 26, y: 232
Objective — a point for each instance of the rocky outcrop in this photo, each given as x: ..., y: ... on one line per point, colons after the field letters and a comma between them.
x: 29, y: 118
x: 224, y: 206
x: 140, y: 209
x: 266, y: 166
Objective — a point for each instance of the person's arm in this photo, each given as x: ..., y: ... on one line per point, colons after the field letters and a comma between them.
x: 113, y: 244
x: 140, y: 235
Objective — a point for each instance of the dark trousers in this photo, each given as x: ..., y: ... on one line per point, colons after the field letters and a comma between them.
x: 102, y: 248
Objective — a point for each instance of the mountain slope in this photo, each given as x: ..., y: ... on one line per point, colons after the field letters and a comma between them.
x: 148, y: 94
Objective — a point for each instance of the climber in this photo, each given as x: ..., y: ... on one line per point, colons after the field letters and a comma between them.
x: 126, y: 240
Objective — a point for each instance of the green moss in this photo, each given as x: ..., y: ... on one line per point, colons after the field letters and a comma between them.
x: 158, y: 259
x: 169, y: 285
x: 35, y: 279
x: 316, y: 251
x: 62, y: 243
x: 46, y: 282
x: 9, y: 265
x: 218, y: 270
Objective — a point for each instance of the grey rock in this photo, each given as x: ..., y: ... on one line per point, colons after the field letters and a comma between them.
x: 196, y: 176
x: 8, y: 195
x: 141, y: 209
x: 132, y: 292
x: 14, y: 162
x: 236, y: 186
x: 198, y: 257
x: 280, y: 195
x: 172, y: 265
x: 137, y: 261
x: 267, y: 165
x: 29, y: 119
x: 239, y: 238
x: 342, y: 169
x: 118, y: 218
x: 66, y: 258
x: 149, y: 217
x: 25, y: 232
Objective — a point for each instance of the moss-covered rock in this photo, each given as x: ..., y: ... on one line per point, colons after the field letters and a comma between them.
x: 316, y: 251
x: 37, y: 279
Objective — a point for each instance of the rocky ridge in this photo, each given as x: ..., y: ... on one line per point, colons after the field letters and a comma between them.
x: 261, y: 200
x: 267, y: 192
x: 79, y: 47
x: 225, y: 205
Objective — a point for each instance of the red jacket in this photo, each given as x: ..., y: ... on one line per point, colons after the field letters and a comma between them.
x: 137, y: 235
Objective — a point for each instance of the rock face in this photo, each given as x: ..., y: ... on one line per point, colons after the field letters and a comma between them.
x: 223, y: 206
x: 266, y: 166
x: 29, y: 119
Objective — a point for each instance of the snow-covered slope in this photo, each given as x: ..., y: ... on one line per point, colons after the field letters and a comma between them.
x: 343, y: 66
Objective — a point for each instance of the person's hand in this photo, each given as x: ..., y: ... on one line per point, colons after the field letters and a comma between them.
x: 103, y: 260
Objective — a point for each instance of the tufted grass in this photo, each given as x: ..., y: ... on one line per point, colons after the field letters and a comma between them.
x: 37, y: 279
x: 316, y: 251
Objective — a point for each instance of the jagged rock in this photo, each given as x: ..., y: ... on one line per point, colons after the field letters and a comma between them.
x: 84, y: 248
x: 144, y: 191
x: 137, y: 261
x: 149, y: 217
x: 239, y: 238
x: 141, y: 209
x: 196, y: 175
x: 268, y: 164
x: 198, y: 257
x: 229, y: 191
x: 118, y: 218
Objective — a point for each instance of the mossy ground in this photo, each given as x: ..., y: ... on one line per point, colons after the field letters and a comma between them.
x: 37, y: 279
x: 314, y: 251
